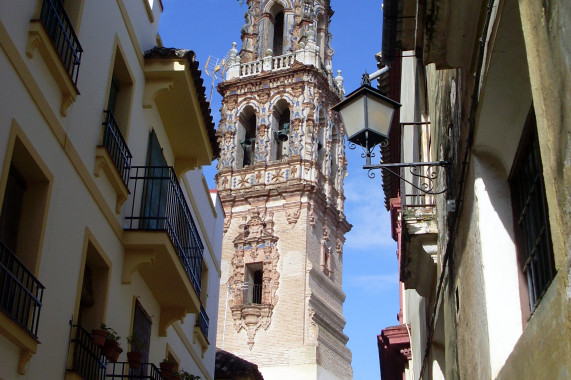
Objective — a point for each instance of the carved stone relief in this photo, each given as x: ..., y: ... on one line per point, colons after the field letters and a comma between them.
x: 256, y: 243
x: 293, y: 211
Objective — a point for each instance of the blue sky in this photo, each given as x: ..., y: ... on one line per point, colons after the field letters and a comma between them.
x: 370, y: 273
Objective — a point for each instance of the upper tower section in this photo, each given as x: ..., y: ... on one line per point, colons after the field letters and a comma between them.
x: 293, y: 30
x: 276, y: 126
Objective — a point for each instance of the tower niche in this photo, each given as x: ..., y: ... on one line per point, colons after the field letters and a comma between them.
x: 280, y: 179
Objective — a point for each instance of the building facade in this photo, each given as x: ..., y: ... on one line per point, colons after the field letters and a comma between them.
x: 105, y: 214
x: 280, y: 178
x: 485, y: 259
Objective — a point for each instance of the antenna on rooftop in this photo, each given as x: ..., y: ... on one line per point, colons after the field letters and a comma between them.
x: 215, y: 68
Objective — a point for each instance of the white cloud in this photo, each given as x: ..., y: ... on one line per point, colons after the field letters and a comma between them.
x: 365, y: 210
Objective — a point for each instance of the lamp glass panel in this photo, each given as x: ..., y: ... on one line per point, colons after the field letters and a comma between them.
x: 380, y: 115
x: 353, y: 115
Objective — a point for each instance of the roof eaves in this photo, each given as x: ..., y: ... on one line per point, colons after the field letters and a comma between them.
x: 172, y: 53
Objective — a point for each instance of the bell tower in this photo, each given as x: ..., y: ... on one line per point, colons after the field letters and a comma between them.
x: 280, y: 178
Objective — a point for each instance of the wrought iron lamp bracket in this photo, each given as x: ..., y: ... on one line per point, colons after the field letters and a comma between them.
x: 428, y: 177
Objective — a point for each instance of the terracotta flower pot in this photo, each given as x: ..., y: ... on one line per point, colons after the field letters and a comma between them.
x: 99, y: 337
x: 134, y: 358
x: 111, y: 350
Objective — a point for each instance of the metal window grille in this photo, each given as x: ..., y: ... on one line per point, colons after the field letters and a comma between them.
x: 65, y: 42
x: 253, y: 294
x: 116, y: 146
x: 531, y: 219
x: 20, y: 292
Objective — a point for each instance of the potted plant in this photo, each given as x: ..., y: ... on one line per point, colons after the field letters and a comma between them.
x: 135, y: 356
x: 100, y: 335
x: 167, y: 369
x: 183, y: 375
x: 111, y: 349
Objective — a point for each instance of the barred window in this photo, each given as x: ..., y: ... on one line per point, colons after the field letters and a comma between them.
x: 531, y: 222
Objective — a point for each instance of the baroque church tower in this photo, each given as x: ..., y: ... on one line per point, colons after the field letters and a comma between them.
x: 280, y: 178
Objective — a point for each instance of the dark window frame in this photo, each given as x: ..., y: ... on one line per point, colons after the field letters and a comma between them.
x: 531, y: 220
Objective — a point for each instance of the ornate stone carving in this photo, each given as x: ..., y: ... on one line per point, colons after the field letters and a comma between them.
x: 293, y: 211
x: 264, y: 96
x: 255, y: 244
x: 297, y: 89
x: 227, y: 151
x: 311, y: 216
x: 231, y: 102
x: 262, y: 146
x: 339, y: 247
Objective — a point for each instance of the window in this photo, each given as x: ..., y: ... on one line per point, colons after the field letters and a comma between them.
x: 24, y: 205
x: 322, y: 35
x: 142, y: 331
x: 12, y: 209
x: 247, y: 137
x: 157, y: 178
x: 88, y: 361
x: 120, y: 92
x: 274, y: 33
x: 335, y: 159
x: 56, y: 20
x: 321, y: 140
x: 22, y: 220
x: 281, y: 128
x: 278, y: 41
x: 115, y: 125
x: 531, y: 222
x: 73, y: 10
x: 93, y: 289
x: 204, y: 284
x: 254, y: 279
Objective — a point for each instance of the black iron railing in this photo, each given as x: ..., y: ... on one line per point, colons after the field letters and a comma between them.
x: 121, y: 370
x: 116, y: 146
x: 202, y: 321
x: 253, y: 294
x: 20, y: 292
x: 157, y: 203
x: 62, y: 35
x: 87, y: 359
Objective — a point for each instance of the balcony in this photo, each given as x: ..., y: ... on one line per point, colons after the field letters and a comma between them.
x: 201, y: 330
x: 88, y: 363
x: 20, y: 303
x: 253, y: 294
x: 174, y: 89
x: 281, y: 62
x: 420, y: 246
x: 116, y: 147
x: 202, y: 321
x: 114, y: 158
x: 121, y: 370
x: 54, y: 37
x: 162, y: 242
x: 61, y: 33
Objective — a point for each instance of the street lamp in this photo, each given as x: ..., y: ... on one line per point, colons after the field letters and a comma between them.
x: 367, y: 115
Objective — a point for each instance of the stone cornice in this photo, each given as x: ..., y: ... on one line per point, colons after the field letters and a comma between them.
x: 326, y: 283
